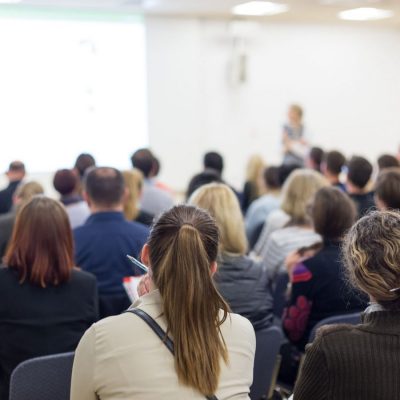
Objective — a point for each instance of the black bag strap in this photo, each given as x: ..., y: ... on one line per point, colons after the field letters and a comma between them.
x: 159, y: 332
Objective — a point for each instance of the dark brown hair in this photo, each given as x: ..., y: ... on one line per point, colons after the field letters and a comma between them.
x: 333, y: 213
x: 387, y: 161
x: 65, y: 181
x: 104, y: 186
x: 359, y: 171
x: 387, y: 187
x: 334, y: 161
x: 41, y: 247
x: 372, y: 257
x: 182, y: 245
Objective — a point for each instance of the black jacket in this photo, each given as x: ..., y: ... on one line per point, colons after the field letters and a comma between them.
x: 244, y: 285
x: 37, y: 321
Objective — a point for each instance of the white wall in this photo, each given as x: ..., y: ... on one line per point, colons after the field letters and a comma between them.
x: 346, y: 77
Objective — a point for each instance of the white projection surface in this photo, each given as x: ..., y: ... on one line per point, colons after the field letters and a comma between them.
x: 69, y: 86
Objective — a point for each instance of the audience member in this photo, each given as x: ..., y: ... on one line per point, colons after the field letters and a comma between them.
x: 102, y: 243
x: 387, y: 189
x: 260, y: 208
x: 213, y: 166
x: 314, y: 159
x: 253, y: 187
x: 332, y: 166
x: 66, y: 182
x: 154, y: 200
x: 242, y: 282
x: 290, y: 227
x: 213, y: 349
x: 21, y: 196
x: 387, y: 161
x: 361, y: 361
x: 318, y: 287
x: 15, y: 174
x: 358, y: 179
x: 83, y: 162
x: 45, y: 303
x: 134, y: 184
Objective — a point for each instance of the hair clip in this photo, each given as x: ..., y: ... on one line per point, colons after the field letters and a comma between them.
x: 394, y: 290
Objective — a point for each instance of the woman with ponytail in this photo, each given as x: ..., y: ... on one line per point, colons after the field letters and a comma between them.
x: 203, y: 350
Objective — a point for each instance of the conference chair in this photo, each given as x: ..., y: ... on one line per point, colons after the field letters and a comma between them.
x: 353, y: 319
x: 42, y: 378
x: 266, y: 362
x: 279, y: 293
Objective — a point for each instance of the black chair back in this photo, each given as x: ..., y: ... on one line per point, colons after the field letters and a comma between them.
x: 268, y: 343
x: 352, y: 319
x: 43, y: 378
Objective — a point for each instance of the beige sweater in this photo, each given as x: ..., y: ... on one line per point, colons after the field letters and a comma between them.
x: 121, y: 358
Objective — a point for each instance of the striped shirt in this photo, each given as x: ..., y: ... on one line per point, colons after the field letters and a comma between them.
x: 284, y: 241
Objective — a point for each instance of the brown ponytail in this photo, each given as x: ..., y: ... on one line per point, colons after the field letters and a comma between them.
x: 182, y: 245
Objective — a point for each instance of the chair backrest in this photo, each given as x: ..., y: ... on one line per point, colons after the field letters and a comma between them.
x: 279, y: 293
x: 268, y: 343
x: 353, y: 319
x: 43, y: 378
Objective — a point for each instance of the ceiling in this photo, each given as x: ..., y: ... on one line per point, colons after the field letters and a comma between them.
x: 300, y: 10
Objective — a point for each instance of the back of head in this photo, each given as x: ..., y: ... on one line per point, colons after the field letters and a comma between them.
x: 202, y: 179
x: 255, y: 166
x: 333, y: 213
x: 65, y: 181
x: 16, y: 171
x: 16, y: 166
x: 214, y: 160
x: 41, y: 247
x: 298, y: 193
x: 359, y: 171
x: 285, y: 170
x: 133, y: 180
x: 143, y: 160
x: 387, y: 188
x: 220, y: 201
x: 83, y: 162
x: 26, y: 191
x: 334, y: 161
x: 372, y: 256
x: 183, y: 245
x: 316, y: 156
x: 156, y: 166
x: 272, y: 178
x: 104, y: 186
x: 388, y: 161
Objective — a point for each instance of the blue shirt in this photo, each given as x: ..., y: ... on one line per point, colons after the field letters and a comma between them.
x: 101, y: 246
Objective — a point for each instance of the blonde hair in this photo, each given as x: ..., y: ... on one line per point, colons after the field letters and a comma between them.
x: 26, y: 191
x: 220, y: 201
x: 183, y: 244
x: 297, y: 109
x: 298, y: 191
x: 133, y: 182
x: 254, y: 172
x: 372, y: 256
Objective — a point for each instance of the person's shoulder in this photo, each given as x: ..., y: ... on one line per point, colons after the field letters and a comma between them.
x: 239, y: 325
x: 138, y: 227
x: 328, y: 334
x: 82, y: 276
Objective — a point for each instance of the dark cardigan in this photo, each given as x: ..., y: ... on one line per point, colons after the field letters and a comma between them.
x: 348, y: 362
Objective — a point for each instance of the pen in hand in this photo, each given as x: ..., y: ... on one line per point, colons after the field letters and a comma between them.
x: 137, y: 263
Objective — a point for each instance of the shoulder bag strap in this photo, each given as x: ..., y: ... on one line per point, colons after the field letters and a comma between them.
x: 159, y: 332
